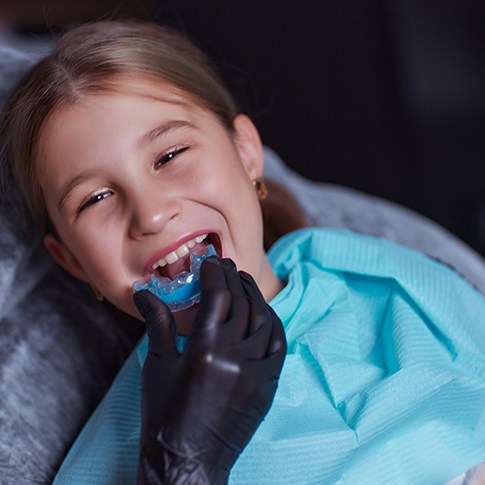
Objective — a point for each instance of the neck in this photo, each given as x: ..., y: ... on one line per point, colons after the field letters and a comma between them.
x: 269, y: 284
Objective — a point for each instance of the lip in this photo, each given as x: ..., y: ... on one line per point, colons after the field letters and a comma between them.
x: 147, y: 269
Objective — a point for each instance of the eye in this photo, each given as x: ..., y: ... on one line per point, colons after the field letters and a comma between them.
x: 169, y: 156
x: 94, y: 199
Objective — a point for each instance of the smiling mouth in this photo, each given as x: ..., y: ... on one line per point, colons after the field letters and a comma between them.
x: 178, y: 260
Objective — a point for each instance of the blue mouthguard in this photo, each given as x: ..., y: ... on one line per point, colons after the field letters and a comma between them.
x: 184, y: 290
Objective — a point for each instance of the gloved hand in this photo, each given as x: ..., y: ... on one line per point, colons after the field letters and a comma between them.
x: 201, y: 407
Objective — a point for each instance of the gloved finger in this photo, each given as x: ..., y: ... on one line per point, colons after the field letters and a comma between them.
x: 264, y: 382
x: 228, y: 263
x: 278, y: 336
x: 215, y: 298
x: 159, y: 321
x: 259, y: 308
x: 238, y: 315
x: 255, y: 345
x: 277, y: 343
x: 272, y: 365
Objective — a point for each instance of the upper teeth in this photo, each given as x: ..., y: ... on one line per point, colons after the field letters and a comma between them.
x: 180, y: 252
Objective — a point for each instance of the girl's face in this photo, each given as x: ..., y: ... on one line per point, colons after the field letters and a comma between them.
x: 130, y: 176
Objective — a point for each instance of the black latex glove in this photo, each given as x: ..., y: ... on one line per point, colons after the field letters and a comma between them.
x: 201, y: 407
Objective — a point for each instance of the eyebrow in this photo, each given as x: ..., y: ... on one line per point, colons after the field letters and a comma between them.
x: 163, y: 130
x: 78, y: 180
x: 143, y: 141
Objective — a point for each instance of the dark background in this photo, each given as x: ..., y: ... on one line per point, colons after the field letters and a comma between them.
x: 387, y: 97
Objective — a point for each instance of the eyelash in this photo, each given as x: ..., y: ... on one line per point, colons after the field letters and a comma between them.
x: 168, y: 157
x: 94, y: 199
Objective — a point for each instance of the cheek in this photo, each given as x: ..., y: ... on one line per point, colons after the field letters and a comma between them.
x: 98, y: 252
x: 246, y: 226
x: 227, y: 181
x: 124, y: 301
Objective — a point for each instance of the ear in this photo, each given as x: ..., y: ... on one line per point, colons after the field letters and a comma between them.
x: 64, y: 257
x: 249, y: 146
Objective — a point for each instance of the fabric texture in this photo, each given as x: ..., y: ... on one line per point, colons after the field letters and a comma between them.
x: 383, y: 381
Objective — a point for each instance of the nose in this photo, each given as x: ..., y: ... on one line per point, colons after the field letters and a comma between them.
x: 150, y: 212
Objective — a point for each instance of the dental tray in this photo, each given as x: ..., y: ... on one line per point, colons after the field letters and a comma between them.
x: 184, y: 290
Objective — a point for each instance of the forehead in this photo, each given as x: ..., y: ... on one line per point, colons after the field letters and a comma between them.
x: 124, y: 91
x: 99, y: 129
x: 128, y: 105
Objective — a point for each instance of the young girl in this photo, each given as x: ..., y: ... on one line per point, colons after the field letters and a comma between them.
x: 131, y: 153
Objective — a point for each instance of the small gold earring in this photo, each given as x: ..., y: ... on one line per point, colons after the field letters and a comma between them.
x: 99, y: 296
x: 260, y: 186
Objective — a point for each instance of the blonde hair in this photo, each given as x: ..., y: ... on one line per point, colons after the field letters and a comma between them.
x: 85, y: 59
